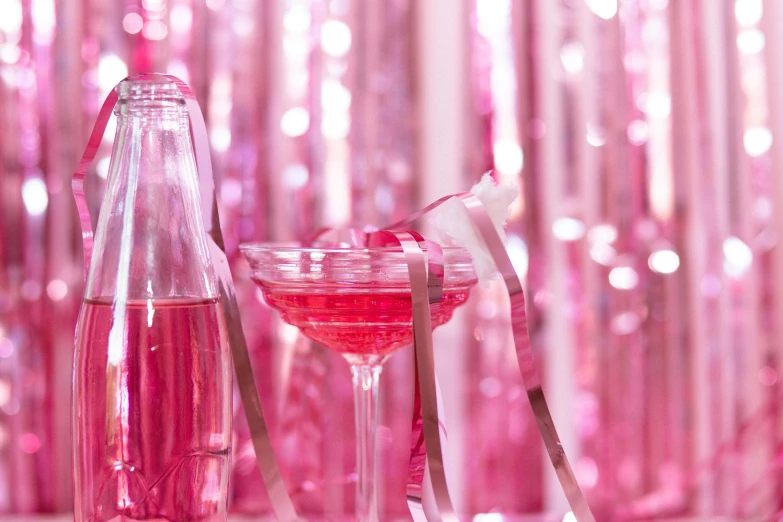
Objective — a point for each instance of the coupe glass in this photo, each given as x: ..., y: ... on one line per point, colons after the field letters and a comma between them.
x: 356, y: 301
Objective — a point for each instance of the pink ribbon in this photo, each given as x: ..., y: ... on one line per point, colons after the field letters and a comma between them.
x: 426, y: 273
x: 270, y: 470
x: 525, y: 361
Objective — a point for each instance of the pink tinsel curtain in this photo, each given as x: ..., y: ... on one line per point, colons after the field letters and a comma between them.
x: 645, y: 139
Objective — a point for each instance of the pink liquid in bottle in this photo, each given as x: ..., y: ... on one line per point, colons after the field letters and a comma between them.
x: 154, y: 388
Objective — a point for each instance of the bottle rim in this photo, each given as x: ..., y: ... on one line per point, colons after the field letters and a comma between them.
x: 149, y: 96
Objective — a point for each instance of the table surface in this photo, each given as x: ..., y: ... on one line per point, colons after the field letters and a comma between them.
x: 494, y: 517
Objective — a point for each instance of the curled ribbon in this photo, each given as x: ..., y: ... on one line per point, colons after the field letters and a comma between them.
x: 281, y: 502
x: 527, y: 367
x: 426, y: 273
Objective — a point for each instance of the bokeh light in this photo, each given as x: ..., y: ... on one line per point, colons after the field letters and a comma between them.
x: 623, y: 278
x: 572, y: 54
x: 111, y: 69
x: 57, y: 289
x: 757, y: 141
x: 738, y: 256
x: 748, y: 12
x: 155, y: 30
x: 605, y: 9
x: 35, y: 196
x: 335, y: 38
x: 568, y: 229
x: 295, y: 121
x: 750, y: 41
x: 132, y: 23
x: 664, y: 261
x: 508, y: 157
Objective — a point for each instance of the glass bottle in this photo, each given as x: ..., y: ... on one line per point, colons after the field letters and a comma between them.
x: 152, y: 370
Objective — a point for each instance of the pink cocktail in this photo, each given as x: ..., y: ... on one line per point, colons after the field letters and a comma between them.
x: 356, y: 301
x: 363, y: 322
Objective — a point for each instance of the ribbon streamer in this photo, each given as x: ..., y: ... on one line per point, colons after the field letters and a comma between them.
x: 525, y: 360
x: 426, y: 273
x: 281, y: 502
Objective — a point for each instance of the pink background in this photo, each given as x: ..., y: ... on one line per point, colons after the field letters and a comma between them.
x: 644, y: 138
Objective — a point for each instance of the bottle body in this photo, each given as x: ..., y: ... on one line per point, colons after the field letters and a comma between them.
x: 152, y: 412
x: 152, y: 378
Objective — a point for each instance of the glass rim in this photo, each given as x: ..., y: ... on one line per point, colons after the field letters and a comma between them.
x: 144, y: 93
x: 289, y: 263
x: 293, y: 246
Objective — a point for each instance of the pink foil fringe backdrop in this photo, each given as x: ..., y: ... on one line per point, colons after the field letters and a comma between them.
x: 644, y: 135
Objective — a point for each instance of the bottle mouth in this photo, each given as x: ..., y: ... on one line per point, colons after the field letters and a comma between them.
x: 148, y: 96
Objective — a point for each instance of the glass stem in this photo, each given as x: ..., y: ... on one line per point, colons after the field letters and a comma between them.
x: 365, y: 397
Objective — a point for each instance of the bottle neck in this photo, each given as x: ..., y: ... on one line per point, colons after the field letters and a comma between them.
x: 150, y: 241
x: 149, y: 120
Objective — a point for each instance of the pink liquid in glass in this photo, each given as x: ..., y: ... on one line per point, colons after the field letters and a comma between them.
x: 371, y: 320
x: 153, y: 408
